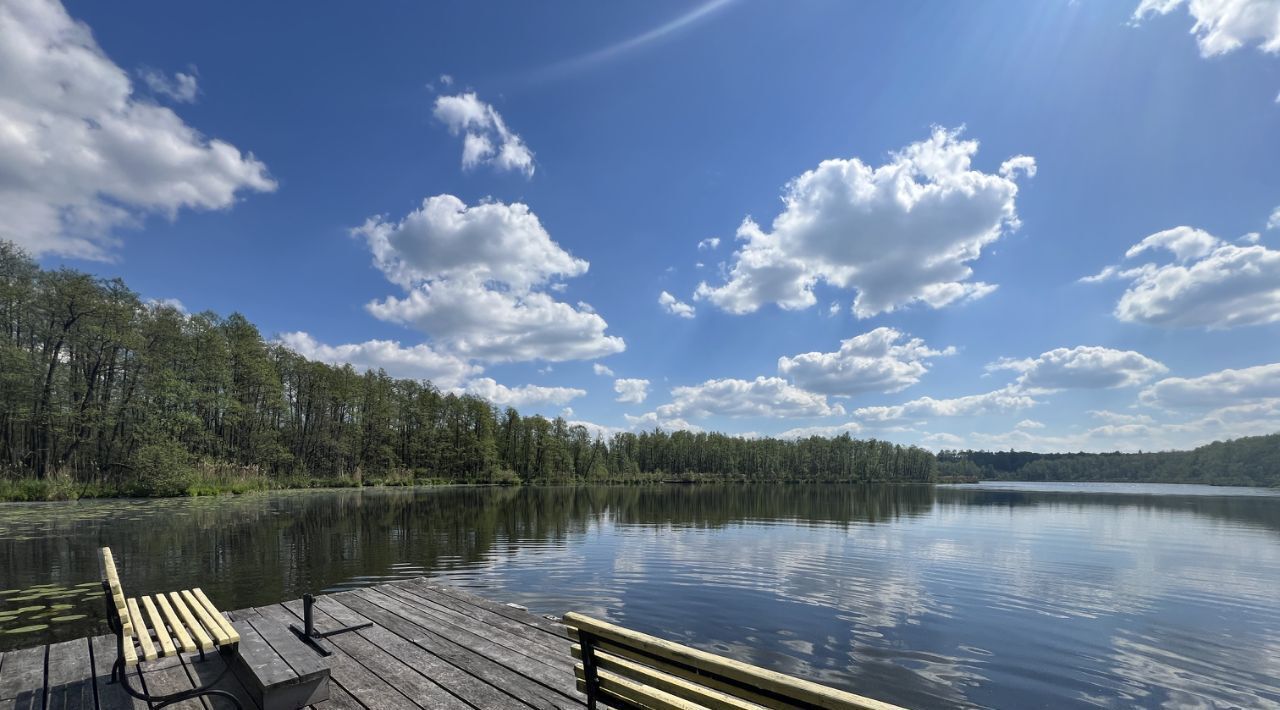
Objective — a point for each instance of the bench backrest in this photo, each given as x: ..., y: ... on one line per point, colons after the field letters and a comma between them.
x: 112, y: 579
x: 627, y: 668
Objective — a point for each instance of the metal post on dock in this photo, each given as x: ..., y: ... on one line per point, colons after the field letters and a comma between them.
x: 308, y: 632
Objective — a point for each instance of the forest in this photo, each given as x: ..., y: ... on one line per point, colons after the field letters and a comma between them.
x: 1248, y: 461
x: 104, y: 394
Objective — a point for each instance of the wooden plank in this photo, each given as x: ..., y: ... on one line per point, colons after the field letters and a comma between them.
x: 492, y: 664
x: 457, y: 626
x: 615, y: 687
x: 184, y: 639
x: 214, y: 628
x: 346, y: 672
x: 197, y: 631
x: 140, y: 627
x: 165, y: 677
x: 523, y: 617
x: 203, y: 671
x: 303, y: 659
x: 158, y: 625
x: 216, y: 615
x: 69, y: 681
x: 261, y: 660
x: 410, y: 622
x: 452, y: 678
x: 689, y: 674
x: 23, y: 674
x: 110, y: 695
x: 688, y: 690
x: 753, y: 676
x: 528, y: 639
x: 339, y: 699
x: 388, y: 666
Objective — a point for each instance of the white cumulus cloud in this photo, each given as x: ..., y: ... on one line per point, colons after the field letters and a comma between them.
x: 709, y: 243
x: 900, y: 233
x: 1223, y: 26
x: 486, y: 138
x: 631, y: 390
x: 674, y: 306
x: 180, y: 87
x: 522, y: 396
x: 472, y: 277
x: 771, y: 397
x: 81, y: 155
x: 1224, y: 388
x: 415, y: 362
x: 601, y: 369
x: 1210, y: 283
x: 1006, y: 399
x: 881, y: 360
x: 1082, y: 367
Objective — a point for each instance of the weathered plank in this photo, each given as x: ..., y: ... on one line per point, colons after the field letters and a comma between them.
x: 69, y: 682
x: 110, y: 695
x: 339, y: 699
x: 513, y: 634
x: 488, y: 664
x: 523, y: 617
x: 421, y: 689
x: 390, y: 635
x: 346, y: 672
x: 166, y: 676
x: 301, y: 658
x: 476, y: 641
x: 204, y: 671
x: 23, y: 674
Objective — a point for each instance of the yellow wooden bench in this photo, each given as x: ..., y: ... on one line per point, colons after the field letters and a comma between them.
x: 159, y: 625
x: 627, y: 669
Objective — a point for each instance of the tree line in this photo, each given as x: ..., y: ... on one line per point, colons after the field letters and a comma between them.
x: 1248, y: 461
x: 103, y: 394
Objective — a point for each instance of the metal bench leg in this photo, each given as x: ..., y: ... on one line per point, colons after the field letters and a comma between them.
x: 159, y: 701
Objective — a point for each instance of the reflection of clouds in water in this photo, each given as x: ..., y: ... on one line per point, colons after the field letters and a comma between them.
x: 925, y: 598
x: 1159, y: 677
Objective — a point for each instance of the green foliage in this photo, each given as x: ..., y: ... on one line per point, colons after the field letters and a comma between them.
x: 163, y: 468
x: 101, y: 394
x: 1249, y: 461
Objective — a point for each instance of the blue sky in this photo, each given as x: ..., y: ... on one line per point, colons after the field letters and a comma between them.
x: 929, y: 182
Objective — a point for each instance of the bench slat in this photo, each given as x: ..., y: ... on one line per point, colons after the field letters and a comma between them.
x: 634, y: 694
x: 213, y: 627
x: 796, y: 689
x: 184, y: 638
x: 202, y: 638
x: 684, y: 673
x: 157, y: 624
x: 144, y: 636
x: 232, y: 635
x: 667, y: 683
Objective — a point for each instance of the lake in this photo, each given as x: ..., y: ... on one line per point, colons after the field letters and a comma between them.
x: 1011, y: 595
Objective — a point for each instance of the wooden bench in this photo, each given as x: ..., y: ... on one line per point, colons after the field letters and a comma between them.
x: 627, y: 669
x: 160, y: 625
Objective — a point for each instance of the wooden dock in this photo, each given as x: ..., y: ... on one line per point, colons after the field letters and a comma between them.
x: 429, y: 647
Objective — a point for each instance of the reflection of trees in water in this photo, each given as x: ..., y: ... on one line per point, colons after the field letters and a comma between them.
x: 1256, y: 511
x: 262, y: 548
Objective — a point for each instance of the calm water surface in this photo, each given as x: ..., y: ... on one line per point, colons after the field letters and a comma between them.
x: 1011, y: 596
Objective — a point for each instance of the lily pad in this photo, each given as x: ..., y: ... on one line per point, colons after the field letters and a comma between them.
x: 68, y: 617
x: 25, y: 598
x: 27, y: 629
x: 24, y: 609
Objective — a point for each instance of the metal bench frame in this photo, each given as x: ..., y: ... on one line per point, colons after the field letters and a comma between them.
x: 120, y: 671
